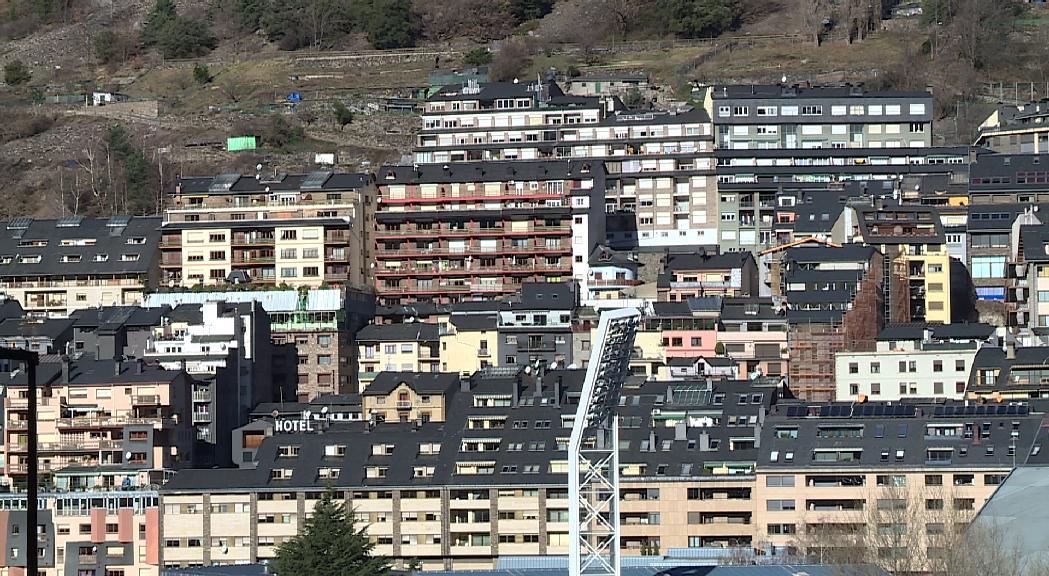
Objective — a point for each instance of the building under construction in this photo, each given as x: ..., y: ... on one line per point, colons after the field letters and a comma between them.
x: 836, y: 299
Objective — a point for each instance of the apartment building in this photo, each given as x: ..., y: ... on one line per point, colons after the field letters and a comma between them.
x: 271, y: 230
x: 660, y: 185
x: 316, y: 322
x: 911, y: 361
x: 494, y: 121
x: 614, y: 276
x: 917, y: 268
x: 406, y: 347
x: 409, y: 396
x: 53, y: 267
x: 834, y: 295
x: 684, y: 329
x: 1012, y: 373
x: 989, y: 238
x: 85, y: 533
x: 1016, y: 129
x: 226, y: 348
x: 477, y: 231
x: 490, y: 481
x: 40, y: 335
x: 792, y: 116
x: 1008, y: 178
x: 901, y: 477
x: 120, y: 419
x: 1028, y: 281
x: 116, y: 332
x: 696, y: 275
x: 753, y: 333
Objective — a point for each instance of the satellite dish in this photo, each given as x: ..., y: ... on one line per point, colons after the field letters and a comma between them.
x: 324, y: 410
x: 258, y: 167
x: 572, y: 366
x: 127, y: 455
x: 553, y: 365
x: 528, y: 370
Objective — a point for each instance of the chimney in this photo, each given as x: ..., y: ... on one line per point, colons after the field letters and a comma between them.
x: 515, y: 400
x: 879, y: 203
x: 651, y: 441
x: 557, y: 391
x: 118, y: 366
x: 139, y: 365
x: 704, y: 441
x: 464, y: 384
x: 679, y: 431
x: 66, y: 365
x: 539, y: 382
x: 1010, y: 349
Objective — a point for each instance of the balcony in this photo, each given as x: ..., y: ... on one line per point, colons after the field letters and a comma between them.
x: 17, y: 424
x: 501, y: 248
x: 87, y: 445
x: 404, y: 405
x: 613, y: 283
x: 470, y: 232
x: 145, y: 400
x: 202, y: 396
x: 545, y: 346
x: 201, y: 417
x: 484, y: 353
x: 112, y: 422
x: 252, y: 240
x: 450, y: 288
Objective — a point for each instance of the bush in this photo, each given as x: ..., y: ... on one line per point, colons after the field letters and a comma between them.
x: 174, y: 36
x: 343, y: 115
x: 700, y: 18
x: 16, y: 73
x: 525, y: 10
x: 390, y: 24
x: 282, y: 134
x: 477, y: 57
x: 201, y: 74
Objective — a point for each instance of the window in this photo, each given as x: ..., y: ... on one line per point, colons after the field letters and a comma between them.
x: 779, y: 505
x: 779, y: 481
x: 287, y: 272
x: 875, y: 367
x: 854, y: 368
x: 311, y: 271
x: 937, y: 365
x: 988, y: 266
x: 815, y: 110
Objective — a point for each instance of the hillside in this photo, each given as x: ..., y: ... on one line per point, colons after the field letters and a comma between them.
x: 233, y: 77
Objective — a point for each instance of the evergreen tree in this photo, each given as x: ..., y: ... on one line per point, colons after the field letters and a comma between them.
x: 329, y: 545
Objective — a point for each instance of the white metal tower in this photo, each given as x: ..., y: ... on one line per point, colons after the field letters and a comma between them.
x: 593, y: 465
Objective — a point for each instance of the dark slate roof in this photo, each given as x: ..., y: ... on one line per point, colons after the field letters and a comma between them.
x: 916, y: 331
x: 998, y: 217
x: 319, y: 181
x: 653, y: 117
x: 491, y: 172
x: 547, y: 296
x: 723, y: 261
x: 604, y: 256
x: 488, y: 91
x: 899, y: 432
x: 665, y: 457
x: 87, y: 370
x: 904, y: 215
x: 990, y: 357
x: 844, y: 253
x: 403, y: 332
x: 118, y: 316
x: 236, y: 224
x: 50, y: 328
x: 420, y: 382
x: 110, y: 236
x: 474, y: 321
x: 736, y: 91
x: 1003, y: 168
x: 749, y: 309
x: 336, y: 400
x: 1035, y: 243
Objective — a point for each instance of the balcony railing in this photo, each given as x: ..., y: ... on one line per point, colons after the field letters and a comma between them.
x: 201, y: 417
x: 455, y: 232
x: 202, y: 396
x: 112, y: 422
x: 403, y: 404
x: 145, y: 400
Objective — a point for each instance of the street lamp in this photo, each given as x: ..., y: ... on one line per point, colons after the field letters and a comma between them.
x: 30, y: 361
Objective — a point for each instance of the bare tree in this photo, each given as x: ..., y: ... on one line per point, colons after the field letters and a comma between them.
x: 813, y: 15
x: 511, y: 60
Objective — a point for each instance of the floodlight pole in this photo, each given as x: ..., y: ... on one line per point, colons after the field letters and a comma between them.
x: 593, y: 465
x: 30, y: 360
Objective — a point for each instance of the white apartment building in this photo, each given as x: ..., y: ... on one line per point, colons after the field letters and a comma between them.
x: 911, y: 361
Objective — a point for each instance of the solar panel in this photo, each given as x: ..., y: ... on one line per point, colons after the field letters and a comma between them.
x: 118, y: 221
x: 315, y: 180
x: 223, y: 182
x: 20, y: 223
x: 68, y: 222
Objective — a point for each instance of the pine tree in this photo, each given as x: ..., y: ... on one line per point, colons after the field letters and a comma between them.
x: 329, y: 545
